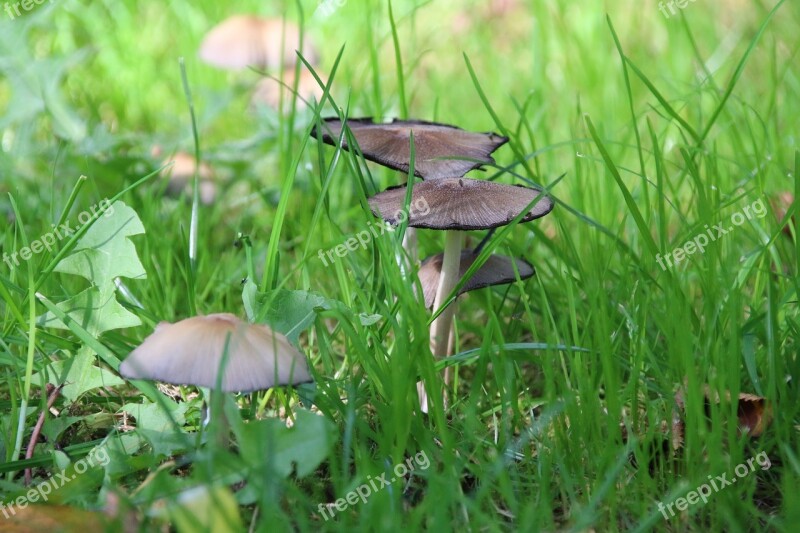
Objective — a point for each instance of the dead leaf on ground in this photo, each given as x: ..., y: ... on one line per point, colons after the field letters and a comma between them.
x: 754, y: 412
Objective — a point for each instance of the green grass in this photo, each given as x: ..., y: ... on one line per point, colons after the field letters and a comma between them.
x: 645, y: 129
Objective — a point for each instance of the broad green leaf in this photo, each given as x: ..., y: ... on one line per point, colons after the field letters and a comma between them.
x: 61, y: 460
x: 368, y: 320
x: 118, y: 453
x: 162, y: 429
x: 271, y: 446
x: 106, y: 251
x: 54, y: 427
x: 36, y: 85
x: 95, y: 309
x: 289, y: 312
x: 79, y: 374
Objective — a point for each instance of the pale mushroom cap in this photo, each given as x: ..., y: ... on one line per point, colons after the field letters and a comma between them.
x: 268, y: 90
x: 181, y: 173
x: 497, y: 270
x: 184, y: 166
x: 388, y: 145
x: 243, y: 41
x: 190, y: 352
x: 460, y: 203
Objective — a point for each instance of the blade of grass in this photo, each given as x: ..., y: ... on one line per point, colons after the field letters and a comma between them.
x: 629, y: 201
x: 512, y: 142
x: 737, y: 73
x: 194, y: 220
x: 663, y: 101
x: 398, y: 61
x: 629, y: 92
x: 26, y: 387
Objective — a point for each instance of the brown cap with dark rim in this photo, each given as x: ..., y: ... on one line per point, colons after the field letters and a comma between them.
x: 497, y: 270
x: 460, y: 203
x: 243, y: 41
x: 388, y: 145
x: 190, y: 352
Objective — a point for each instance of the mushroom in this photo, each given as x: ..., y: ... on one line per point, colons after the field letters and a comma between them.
x: 457, y: 204
x: 191, y: 352
x: 440, y: 150
x: 443, y: 154
x: 243, y: 41
x: 497, y: 270
x: 269, y: 90
x: 181, y: 173
x: 460, y: 203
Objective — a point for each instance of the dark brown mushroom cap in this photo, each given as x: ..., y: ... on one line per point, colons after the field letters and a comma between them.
x: 460, y: 203
x: 497, y: 270
x: 189, y: 352
x: 388, y: 145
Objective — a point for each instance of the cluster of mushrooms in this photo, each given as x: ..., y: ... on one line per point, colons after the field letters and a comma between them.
x: 443, y: 154
x: 220, y: 351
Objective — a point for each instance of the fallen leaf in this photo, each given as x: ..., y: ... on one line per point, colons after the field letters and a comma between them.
x: 753, y: 411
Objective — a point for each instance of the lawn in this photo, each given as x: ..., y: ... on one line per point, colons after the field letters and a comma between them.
x: 643, y: 379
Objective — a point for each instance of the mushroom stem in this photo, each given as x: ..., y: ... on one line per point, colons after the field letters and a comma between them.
x: 216, y: 422
x: 410, y: 244
x: 440, y: 329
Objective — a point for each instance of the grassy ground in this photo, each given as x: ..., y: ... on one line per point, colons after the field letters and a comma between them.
x: 662, y: 127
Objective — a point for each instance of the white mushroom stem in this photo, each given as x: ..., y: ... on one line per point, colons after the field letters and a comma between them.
x: 215, y: 420
x: 410, y: 244
x: 440, y: 329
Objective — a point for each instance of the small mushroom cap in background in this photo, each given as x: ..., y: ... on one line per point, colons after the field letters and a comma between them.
x: 459, y: 203
x: 243, y: 41
x: 388, y: 145
x: 268, y: 91
x: 181, y: 173
x: 497, y: 270
x: 190, y: 352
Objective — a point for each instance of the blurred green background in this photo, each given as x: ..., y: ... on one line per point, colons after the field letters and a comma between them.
x: 567, y: 432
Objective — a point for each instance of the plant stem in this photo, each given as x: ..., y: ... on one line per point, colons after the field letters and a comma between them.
x: 440, y: 328
x: 410, y: 246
